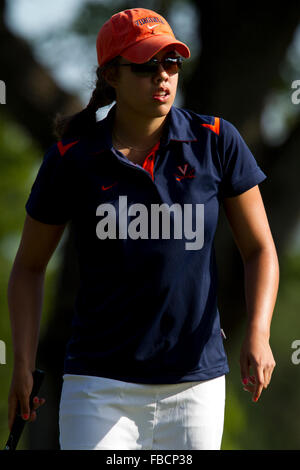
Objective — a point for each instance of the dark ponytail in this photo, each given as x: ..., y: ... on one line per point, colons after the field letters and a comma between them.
x: 84, y: 121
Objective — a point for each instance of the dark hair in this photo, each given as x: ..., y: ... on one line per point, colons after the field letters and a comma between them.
x: 84, y: 121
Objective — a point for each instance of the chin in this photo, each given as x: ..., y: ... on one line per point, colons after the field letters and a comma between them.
x: 161, y: 110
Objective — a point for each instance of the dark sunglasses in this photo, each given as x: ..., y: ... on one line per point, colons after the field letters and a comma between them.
x: 171, y: 65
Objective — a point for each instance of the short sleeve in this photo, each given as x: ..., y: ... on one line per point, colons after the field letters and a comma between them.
x: 50, y: 197
x: 240, y: 169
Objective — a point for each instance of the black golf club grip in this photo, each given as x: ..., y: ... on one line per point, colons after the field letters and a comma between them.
x: 19, y: 422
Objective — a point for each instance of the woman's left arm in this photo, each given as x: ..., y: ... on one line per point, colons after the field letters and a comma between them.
x: 248, y: 220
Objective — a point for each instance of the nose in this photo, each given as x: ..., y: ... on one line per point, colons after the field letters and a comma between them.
x: 161, y: 74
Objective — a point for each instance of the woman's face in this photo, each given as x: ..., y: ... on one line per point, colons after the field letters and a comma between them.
x: 145, y: 95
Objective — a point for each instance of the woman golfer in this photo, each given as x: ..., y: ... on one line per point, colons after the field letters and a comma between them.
x: 145, y: 365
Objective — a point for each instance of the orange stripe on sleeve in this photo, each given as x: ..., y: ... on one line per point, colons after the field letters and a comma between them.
x: 214, y: 127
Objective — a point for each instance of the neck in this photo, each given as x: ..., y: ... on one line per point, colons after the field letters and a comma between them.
x: 137, y: 131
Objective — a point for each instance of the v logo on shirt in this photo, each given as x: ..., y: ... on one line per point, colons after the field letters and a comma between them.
x: 185, y: 173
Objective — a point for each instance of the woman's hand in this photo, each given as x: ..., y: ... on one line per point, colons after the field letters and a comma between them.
x: 20, y: 390
x: 256, y: 353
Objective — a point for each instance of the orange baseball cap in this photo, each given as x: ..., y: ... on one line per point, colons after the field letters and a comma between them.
x: 137, y: 35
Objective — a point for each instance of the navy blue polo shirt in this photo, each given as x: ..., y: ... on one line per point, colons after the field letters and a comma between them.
x: 146, y: 310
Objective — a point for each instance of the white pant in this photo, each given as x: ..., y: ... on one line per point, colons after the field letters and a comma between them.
x: 98, y: 413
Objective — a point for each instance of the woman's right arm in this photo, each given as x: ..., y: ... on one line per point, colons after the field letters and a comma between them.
x: 25, y: 300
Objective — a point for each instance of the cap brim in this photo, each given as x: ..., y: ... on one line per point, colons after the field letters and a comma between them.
x: 145, y: 49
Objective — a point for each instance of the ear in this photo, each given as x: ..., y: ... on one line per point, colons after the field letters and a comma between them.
x: 111, y: 76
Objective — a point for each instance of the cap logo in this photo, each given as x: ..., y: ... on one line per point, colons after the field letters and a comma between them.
x: 148, y: 19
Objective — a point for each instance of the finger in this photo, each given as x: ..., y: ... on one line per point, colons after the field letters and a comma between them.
x: 36, y: 403
x: 33, y: 416
x: 260, y: 380
x: 42, y: 401
x: 249, y: 388
x: 268, y: 374
x: 244, y: 365
x: 24, y: 405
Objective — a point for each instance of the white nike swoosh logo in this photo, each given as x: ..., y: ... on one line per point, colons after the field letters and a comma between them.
x: 151, y: 27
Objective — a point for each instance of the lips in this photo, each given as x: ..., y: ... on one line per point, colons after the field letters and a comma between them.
x: 161, y: 94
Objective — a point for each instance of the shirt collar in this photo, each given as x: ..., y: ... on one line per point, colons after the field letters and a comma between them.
x: 177, y: 128
x: 104, y: 130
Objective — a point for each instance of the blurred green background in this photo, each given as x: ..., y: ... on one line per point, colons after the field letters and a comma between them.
x: 239, y: 70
